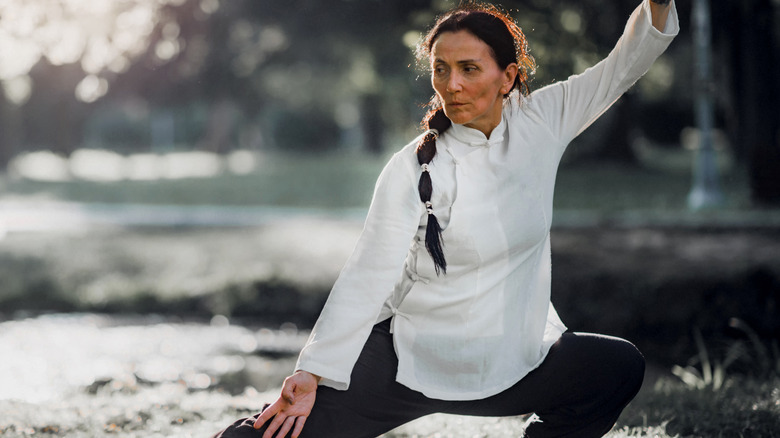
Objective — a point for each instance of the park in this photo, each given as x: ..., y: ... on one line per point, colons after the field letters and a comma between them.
x: 181, y: 186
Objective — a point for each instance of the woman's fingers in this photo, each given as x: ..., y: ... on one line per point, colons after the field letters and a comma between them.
x: 286, y: 426
x: 278, y: 421
x: 290, y: 409
x: 298, y: 426
x: 268, y: 413
x: 288, y: 391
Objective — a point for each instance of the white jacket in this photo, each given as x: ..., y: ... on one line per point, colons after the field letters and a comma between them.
x: 483, y: 326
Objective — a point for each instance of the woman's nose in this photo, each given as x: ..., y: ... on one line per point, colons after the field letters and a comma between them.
x: 453, y: 83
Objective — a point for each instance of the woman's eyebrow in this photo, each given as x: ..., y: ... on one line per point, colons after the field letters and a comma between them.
x: 464, y: 61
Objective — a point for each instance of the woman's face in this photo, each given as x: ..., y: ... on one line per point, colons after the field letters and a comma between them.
x: 468, y: 80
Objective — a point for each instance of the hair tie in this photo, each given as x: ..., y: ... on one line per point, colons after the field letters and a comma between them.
x: 433, y: 132
x: 429, y: 207
x: 425, y: 167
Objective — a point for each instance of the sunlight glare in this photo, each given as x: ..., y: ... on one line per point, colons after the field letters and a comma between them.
x: 40, y: 166
x: 411, y: 38
x: 21, y: 21
x: 120, y: 64
x: 171, y: 30
x: 272, y: 39
x: 99, y: 34
x: 18, y: 89
x: 98, y: 51
x: 97, y: 165
x: 16, y: 56
x: 194, y: 164
x: 242, y: 162
x: 66, y: 43
x: 362, y: 74
x: 144, y: 167
x: 91, y: 88
x: 166, y: 49
x: 658, y: 80
x: 571, y: 21
x: 209, y: 6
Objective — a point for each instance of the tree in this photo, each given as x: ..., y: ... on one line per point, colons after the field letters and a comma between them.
x: 251, y: 63
x: 56, y: 57
x: 747, y: 33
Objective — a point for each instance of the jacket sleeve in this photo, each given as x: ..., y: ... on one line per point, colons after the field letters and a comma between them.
x: 368, y: 277
x: 570, y: 106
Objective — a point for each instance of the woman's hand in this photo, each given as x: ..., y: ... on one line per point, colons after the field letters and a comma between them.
x: 659, y: 10
x: 292, y: 407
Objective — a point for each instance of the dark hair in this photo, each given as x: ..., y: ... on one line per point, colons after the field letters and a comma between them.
x: 508, y: 45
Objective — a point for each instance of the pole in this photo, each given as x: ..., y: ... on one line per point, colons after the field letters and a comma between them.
x: 705, y: 191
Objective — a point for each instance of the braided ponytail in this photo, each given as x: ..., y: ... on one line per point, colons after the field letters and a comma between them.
x: 436, y: 123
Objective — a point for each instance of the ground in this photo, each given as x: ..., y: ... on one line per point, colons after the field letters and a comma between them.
x: 158, y: 332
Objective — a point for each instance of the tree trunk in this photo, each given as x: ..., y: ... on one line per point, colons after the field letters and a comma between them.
x: 373, y: 125
x: 757, y: 93
x: 617, y: 142
x: 10, y: 124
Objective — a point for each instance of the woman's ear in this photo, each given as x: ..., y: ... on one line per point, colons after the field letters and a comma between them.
x: 510, y: 73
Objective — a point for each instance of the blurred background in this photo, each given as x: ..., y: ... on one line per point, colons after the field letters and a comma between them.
x: 213, y: 160
x: 114, y: 101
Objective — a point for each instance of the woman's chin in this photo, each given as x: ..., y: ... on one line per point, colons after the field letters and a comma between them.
x: 457, y: 117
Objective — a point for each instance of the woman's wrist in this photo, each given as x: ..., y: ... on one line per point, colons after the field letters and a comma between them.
x: 316, y: 377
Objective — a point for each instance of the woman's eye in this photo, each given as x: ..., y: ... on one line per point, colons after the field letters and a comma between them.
x: 469, y: 69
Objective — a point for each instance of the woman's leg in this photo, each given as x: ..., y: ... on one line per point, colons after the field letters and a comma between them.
x: 374, y: 403
x: 578, y: 391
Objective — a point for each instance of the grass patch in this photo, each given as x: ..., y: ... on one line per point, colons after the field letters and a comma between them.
x: 609, y: 187
x: 707, y: 399
x: 742, y: 407
x: 341, y: 180
x: 323, y: 181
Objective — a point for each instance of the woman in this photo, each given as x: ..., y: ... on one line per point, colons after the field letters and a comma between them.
x: 444, y: 306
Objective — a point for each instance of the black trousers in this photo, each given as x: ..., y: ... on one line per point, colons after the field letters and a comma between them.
x: 578, y: 391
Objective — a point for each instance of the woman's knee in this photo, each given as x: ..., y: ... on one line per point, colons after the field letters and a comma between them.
x: 616, y: 366
x: 632, y: 364
x: 609, y: 372
x: 240, y: 429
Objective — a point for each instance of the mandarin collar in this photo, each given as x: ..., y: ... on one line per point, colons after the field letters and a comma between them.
x: 475, y: 138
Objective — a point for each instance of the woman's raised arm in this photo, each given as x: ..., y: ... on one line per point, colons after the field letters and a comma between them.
x: 570, y: 106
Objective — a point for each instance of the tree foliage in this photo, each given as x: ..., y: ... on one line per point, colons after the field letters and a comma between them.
x: 226, y: 73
